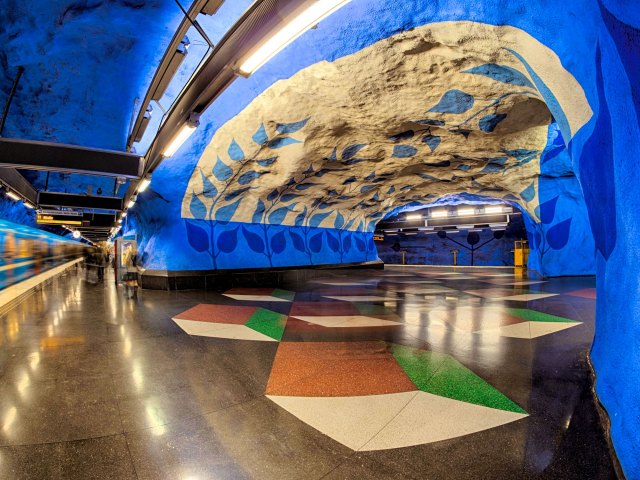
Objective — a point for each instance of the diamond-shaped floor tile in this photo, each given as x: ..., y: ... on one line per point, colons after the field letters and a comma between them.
x: 443, y: 375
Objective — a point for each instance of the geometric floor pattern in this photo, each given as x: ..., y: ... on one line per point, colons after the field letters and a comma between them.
x: 342, y: 367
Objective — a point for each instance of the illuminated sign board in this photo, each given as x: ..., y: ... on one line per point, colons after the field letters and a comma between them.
x: 57, y: 219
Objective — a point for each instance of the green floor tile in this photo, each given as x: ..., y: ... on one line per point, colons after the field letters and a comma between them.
x: 368, y: 309
x: 442, y: 375
x: 419, y: 365
x: 268, y: 323
x: 284, y: 294
x: 533, y: 316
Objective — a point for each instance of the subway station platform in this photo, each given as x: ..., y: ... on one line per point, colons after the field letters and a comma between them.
x: 406, y: 372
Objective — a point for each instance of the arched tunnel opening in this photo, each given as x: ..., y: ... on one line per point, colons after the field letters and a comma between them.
x: 481, y: 234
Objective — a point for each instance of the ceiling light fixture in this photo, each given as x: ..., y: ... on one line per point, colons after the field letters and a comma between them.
x: 465, y: 212
x: 414, y: 216
x: 296, y: 26
x: 144, y: 184
x: 12, y: 195
x: 76, y: 234
x: 497, y: 209
x: 28, y: 205
x: 439, y: 214
x: 185, y: 132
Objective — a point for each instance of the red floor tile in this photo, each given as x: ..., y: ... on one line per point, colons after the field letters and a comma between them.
x: 217, y: 314
x: 336, y: 369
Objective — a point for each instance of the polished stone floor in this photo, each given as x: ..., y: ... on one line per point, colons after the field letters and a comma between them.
x: 410, y: 372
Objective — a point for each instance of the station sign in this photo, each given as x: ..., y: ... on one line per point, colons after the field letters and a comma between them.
x: 58, y: 217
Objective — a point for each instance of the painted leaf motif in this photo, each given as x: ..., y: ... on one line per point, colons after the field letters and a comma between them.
x: 222, y: 171
x: 260, y: 136
x: 360, y: 245
x: 333, y: 242
x: 537, y: 238
x: 291, y: 127
x: 371, y: 245
x: 489, y: 123
x: 197, y: 237
x: 273, y: 195
x: 254, y: 241
x: 300, y: 217
x: 318, y: 218
x: 196, y: 207
x: 298, y: 242
x: 429, y: 121
x: 402, y: 136
x: 249, y: 177
x: 266, y: 162
x: 404, y: 151
x: 492, y: 168
x: 454, y: 101
x: 501, y: 73
x: 228, y: 240
x: 225, y: 214
x: 278, y: 242
x: 208, y: 189
x: 287, y: 197
x: 282, y: 142
x: 367, y: 188
x: 346, y: 243
x: 339, y: 221
x: 349, y: 224
x: 277, y: 216
x: 235, y: 152
x: 258, y: 213
x: 315, y: 242
x: 548, y: 210
x: 433, y: 141
x: 391, y: 190
x: 235, y: 193
x: 528, y: 193
x: 351, y: 151
x: 558, y: 235
x: 304, y: 186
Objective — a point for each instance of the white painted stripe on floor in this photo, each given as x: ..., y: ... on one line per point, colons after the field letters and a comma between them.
x: 352, y: 421
x: 429, y: 418
x: 347, y: 321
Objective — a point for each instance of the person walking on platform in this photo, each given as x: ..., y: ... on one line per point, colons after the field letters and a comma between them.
x: 131, y: 275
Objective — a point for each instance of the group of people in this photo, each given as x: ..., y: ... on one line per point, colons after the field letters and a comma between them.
x: 99, y: 259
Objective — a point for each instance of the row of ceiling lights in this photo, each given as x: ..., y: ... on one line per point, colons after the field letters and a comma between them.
x: 295, y: 27
x: 460, y: 212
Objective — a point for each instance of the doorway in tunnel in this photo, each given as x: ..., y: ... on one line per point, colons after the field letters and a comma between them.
x: 484, y: 234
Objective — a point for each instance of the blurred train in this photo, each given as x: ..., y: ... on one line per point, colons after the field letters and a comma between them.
x: 28, y: 251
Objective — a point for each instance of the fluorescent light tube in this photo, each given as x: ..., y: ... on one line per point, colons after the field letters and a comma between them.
x: 185, y: 132
x: 414, y: 216
x: 12, y: 195
x: 131, y: 203
x: 497, y: 209
x: 28, y: 205
x: 144, y: 184
x: 439, y: 214
x: 465, y: 212
x: 302, y: 22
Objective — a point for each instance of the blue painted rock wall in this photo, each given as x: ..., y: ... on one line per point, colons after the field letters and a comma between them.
x: 598, y: 49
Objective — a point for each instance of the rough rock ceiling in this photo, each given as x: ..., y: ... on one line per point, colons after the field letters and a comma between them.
x: 442, y: 109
